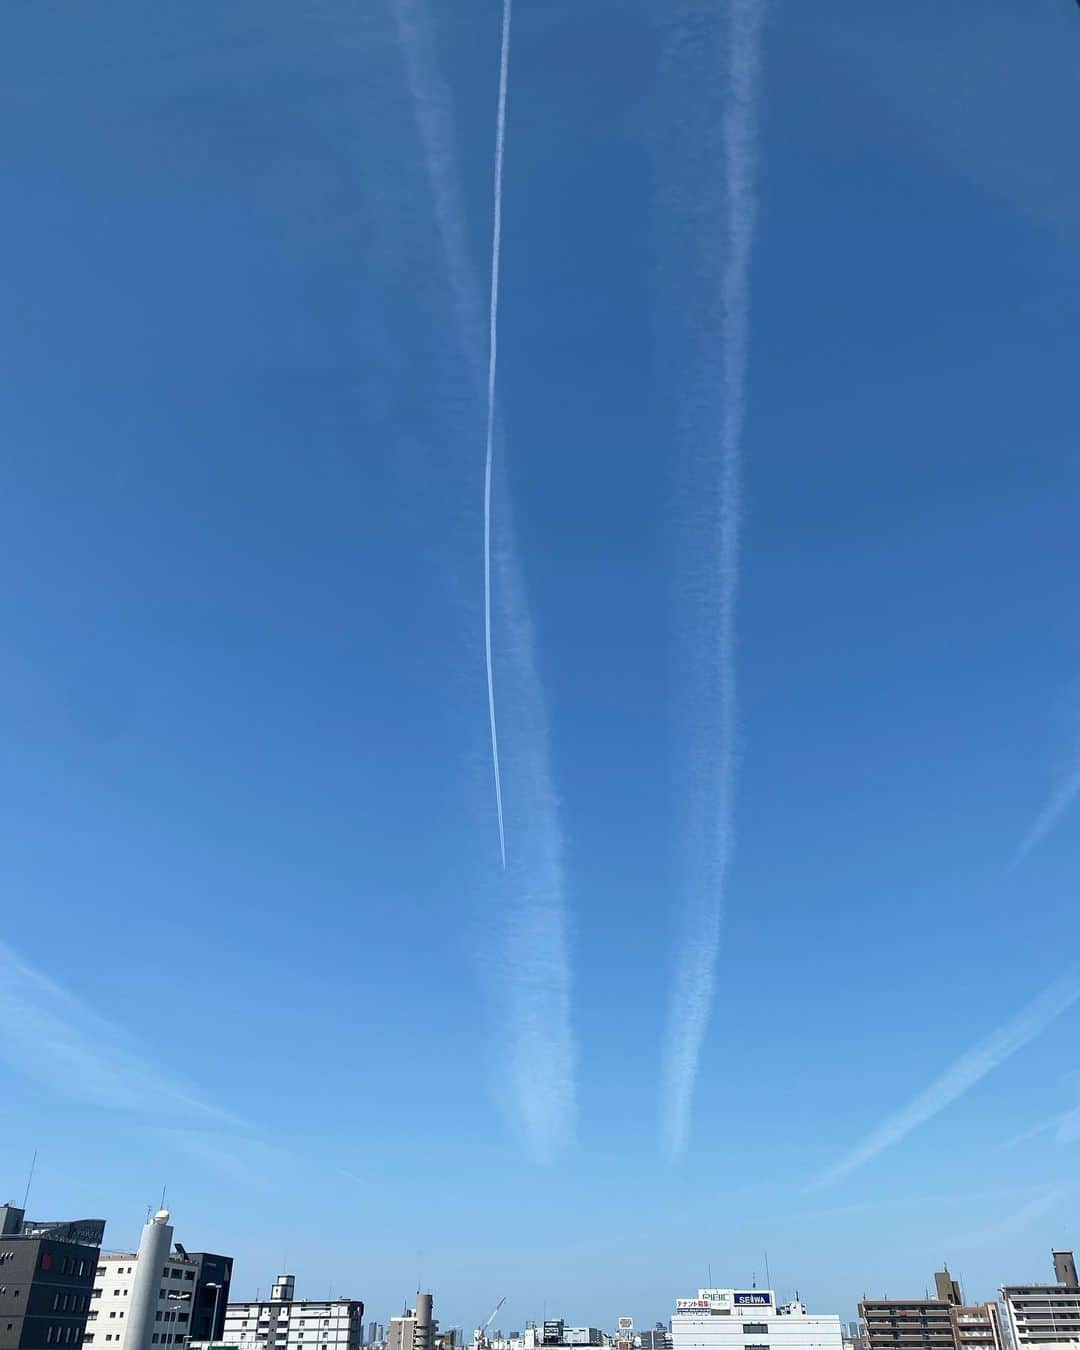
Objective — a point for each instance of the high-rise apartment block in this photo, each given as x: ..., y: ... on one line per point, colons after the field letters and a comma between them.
x: 284, y: 1322
x: 1046, y: 1316
x: 942, y: 1323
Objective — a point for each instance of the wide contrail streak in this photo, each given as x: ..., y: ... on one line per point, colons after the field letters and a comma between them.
x: 963, y: 1074
x: 489, y: 453
x: 693, y: 993
x: 534, y: 1000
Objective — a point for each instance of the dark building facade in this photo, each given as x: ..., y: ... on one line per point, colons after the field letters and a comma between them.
x: 45, y: 1286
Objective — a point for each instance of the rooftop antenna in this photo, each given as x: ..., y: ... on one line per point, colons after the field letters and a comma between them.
x: 162, y: 1205
x: 768, y: 1278
x: 709, y: 1268
x: 29, y: 1179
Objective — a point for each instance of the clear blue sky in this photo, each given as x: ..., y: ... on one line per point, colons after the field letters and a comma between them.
x: 247, y: 822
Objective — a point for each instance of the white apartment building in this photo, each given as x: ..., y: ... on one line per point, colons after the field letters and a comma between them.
x: 1045, y: 1316
x: 185, y: 1300
x: 285, y: 1323
x: 750, y: 1319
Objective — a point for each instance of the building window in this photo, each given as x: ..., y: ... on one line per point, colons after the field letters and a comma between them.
x: 88, y: 1337
x: 755, y: 1329
x: 189, y: 1274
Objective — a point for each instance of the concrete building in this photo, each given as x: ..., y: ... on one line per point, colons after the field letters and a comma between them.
x: 1046, y: 1316
x: 284, y: 1322
x: 157, y: 1296
x: 416, y: 1328
x: 46, y: 1279
x: 750, y: 1319
x: 977, y: 1326
x: 942, y: 1323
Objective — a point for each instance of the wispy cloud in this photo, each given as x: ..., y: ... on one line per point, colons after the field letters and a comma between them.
x: 712, y: 817
x: 963, y: 1074
x: 50, y: 1036
x: 535, y: 991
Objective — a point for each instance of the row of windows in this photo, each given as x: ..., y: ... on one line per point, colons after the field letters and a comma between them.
x: 68, y: 1265
x: 755, y: 1329
x: 79, y: 1302
x: 170, y: 1317
x: 172, y: 1273
x: 68, y: 1335
x: 104, y: 1270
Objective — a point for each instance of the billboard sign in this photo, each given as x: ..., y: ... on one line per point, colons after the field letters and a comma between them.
x: 626, y: 1324
x: 753, y: 1298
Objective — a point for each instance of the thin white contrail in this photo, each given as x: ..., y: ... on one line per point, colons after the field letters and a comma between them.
x: 963, y: 1074
x: 1052, y: 813
x: 493, y: 354
x: 693, y: 994
x: 540, y: 1055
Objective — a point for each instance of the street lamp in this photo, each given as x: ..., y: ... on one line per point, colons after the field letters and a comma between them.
x: 217, y: 1295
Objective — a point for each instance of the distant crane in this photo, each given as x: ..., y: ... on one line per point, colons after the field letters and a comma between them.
x: 481, y: 1332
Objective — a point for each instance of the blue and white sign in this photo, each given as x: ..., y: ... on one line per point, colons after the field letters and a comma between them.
x: 754, y: 1298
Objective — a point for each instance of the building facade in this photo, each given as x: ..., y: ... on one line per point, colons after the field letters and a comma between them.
x: 284, y: 1322
x: 158, y: 1297
x: 750, y: 1319
x: 1046, y: 1316
x: 46, y: 1280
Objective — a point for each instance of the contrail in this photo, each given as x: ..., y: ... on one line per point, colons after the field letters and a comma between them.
x: 964, y: 1073
x: 493, y: 351
x: 713, y: 838
x: 1052, y: 813
x: 540, y: 1055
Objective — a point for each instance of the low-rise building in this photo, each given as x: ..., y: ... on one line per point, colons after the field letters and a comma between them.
x: 750, y: 1319
x: 284, y: 1322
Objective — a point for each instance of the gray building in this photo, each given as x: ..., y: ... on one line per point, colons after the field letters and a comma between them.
x: 46, y: 1277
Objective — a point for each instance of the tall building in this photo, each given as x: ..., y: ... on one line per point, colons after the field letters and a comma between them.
x: 750, y: 1319
x: 158, y: 1296
x: 942, y: 1323
x: 1045, y: 1315
x: 46, y: 1279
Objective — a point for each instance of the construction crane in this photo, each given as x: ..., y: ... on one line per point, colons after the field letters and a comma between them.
x: 481, y: 1332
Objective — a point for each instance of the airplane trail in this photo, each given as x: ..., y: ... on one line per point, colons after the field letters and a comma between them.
x: 489, y: 453
x: 540, y: 1053
x: 714, y: 838
x: 962, y: 1074
x: 1051, y: 814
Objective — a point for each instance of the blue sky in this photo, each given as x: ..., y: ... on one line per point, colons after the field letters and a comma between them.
x: 257, y: 943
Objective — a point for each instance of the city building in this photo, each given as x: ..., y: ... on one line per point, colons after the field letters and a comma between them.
x: 913, y: 1323
x: 46, y: 1279
x: 750, y: 1319
x: 1045, y: 1315
x: 284, y: 1322
x: 977, y: 1326
x: 659, y: 1338
x: 415, y: 1329
x: 945, y: 1322
x: 158, y: 1296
